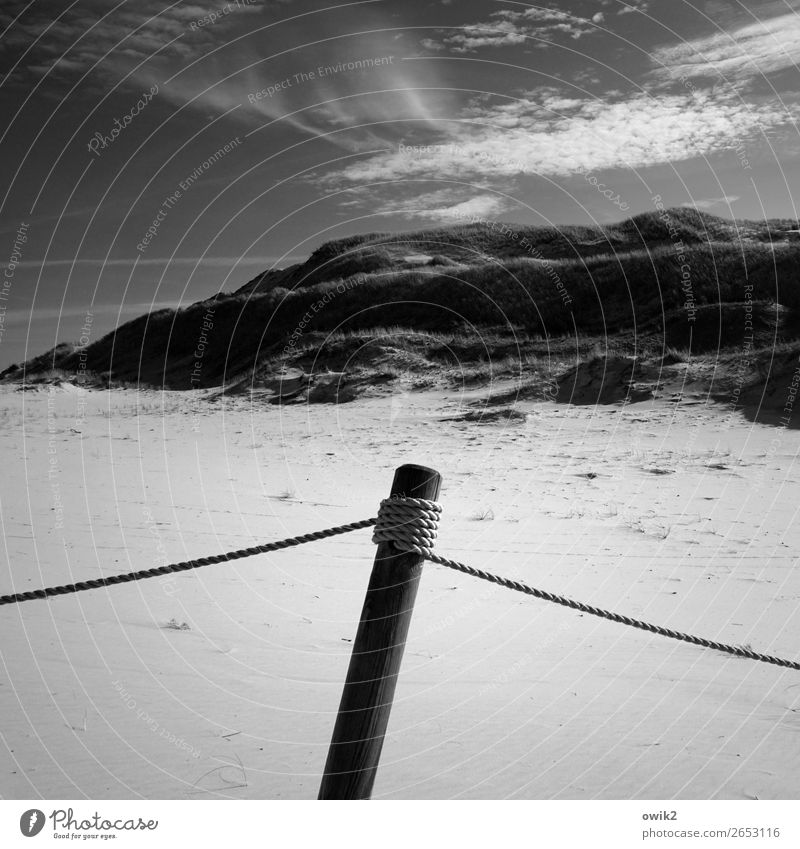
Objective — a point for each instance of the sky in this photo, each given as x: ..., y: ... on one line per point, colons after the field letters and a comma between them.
x: 154, y: 154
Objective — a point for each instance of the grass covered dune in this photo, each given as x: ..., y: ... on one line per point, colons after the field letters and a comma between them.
x: 383, y: 306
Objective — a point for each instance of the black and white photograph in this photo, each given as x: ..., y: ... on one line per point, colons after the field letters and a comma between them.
x: 399, y: 401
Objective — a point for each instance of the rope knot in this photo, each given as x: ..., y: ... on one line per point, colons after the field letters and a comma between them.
x: 410, y: 524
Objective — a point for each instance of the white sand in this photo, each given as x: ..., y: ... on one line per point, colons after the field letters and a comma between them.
x: 500, y: 695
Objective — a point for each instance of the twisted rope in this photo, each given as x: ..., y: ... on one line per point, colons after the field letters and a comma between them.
x: 411, y: 524
x: 737, y: 651
x: 96, y: 583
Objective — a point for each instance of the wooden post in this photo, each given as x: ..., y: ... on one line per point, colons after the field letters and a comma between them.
x: 377, y: 653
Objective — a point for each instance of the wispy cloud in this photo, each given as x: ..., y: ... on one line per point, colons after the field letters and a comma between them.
x: 452, y: 203
x: 206, y: 261
x: 22, y: 316
x: 752, y: 50
x: 94, y: 34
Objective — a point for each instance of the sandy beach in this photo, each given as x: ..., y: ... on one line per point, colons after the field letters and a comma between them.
x: 224, y: 682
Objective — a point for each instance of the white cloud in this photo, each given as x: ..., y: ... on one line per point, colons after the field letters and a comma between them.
x: 749, y: 51
x: 473, y: 36
x: 478, y: 207
x: 511, y: 27
x: 556, y: 136
x: 634, y: 6
x: 452, y: 203
x: 708, y: 203
x: 432, y: 44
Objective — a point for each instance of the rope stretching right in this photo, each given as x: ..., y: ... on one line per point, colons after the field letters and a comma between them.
x: 411, y: 525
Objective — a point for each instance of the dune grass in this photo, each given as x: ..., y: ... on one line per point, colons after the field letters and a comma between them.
x: 496, y: 309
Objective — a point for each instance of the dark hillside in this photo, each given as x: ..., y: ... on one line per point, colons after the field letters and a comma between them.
x: 714, y: 290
